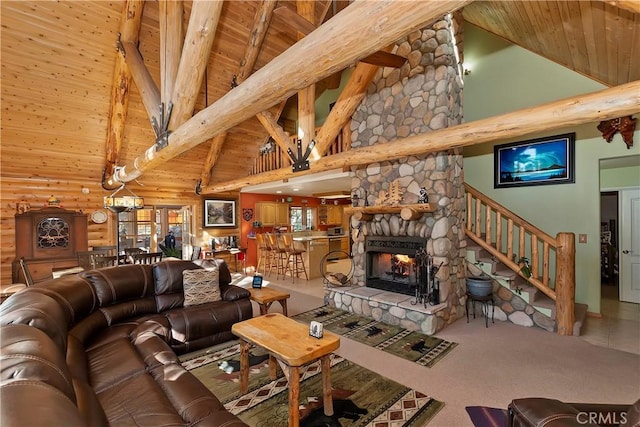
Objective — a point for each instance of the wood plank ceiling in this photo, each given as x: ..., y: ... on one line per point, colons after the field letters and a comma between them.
x: 58, y: 61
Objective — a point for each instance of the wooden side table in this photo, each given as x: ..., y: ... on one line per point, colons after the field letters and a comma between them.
x: 290, y: 345
x: 267, y: 296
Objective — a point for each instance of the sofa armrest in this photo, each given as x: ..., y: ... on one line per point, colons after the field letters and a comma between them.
x: 539, y: 412
x: 605, y: 414
x: 233, y: 293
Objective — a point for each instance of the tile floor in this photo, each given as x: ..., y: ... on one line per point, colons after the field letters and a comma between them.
x: 618, y: 328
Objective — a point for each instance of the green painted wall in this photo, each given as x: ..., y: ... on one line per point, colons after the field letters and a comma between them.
x: 505, y: 78
x: 620, y: 177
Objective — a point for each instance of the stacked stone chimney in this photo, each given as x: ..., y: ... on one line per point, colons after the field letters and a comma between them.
x: 424, y: 95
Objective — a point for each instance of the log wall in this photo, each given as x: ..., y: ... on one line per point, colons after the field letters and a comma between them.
x: 36, y: 191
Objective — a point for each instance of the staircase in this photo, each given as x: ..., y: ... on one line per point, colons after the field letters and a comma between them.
x: 515, y: 294
x: 498, y: 238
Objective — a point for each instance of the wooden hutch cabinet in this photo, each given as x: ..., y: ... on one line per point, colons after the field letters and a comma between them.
x: 48, y: 238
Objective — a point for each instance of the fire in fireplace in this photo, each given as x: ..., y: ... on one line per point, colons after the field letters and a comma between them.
x: 390, y: 263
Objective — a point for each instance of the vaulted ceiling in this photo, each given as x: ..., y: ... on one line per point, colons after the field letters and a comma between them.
x: 59, y: 60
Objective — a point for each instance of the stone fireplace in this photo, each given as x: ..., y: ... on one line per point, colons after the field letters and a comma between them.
x: 422, y: 96
x: 391, y: 263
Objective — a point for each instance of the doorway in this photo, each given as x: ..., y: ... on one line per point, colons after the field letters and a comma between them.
x: 609, y: 267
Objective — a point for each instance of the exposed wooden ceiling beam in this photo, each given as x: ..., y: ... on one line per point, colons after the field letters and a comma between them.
x: 215, y: 147
x: 346, y: 104
x: 146, y: 86
x: 129, y: 30
x: 304, y: 26
x: 258, y: 33
x: 203, y: 22
x: 171, y: 40
x: 609, y: 103
x: 306, y: 96
x: 385, y: 59
x: 630, y: 5
x: 363, y: 28
x: 270, y: 123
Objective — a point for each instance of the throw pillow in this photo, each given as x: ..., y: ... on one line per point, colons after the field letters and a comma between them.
x: 200, y: 286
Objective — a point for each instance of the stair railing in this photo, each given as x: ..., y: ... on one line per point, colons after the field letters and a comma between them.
x: 277, y: 158
x: 498, y: 230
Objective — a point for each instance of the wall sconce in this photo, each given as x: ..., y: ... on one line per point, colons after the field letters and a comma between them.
x: 467, y: 71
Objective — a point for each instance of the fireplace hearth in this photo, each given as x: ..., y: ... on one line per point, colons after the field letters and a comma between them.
x: 391, y: 263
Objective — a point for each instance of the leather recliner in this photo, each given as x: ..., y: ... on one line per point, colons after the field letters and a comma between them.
x: 100, y: 348
x: 542, y: 412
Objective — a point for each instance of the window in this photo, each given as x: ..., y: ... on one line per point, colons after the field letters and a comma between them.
x: 301, y: 218
x: 146, y: 228
x: 296, y: 219
x: 135, y: 229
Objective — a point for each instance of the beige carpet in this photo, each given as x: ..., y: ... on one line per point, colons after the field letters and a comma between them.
x: 491, y: 366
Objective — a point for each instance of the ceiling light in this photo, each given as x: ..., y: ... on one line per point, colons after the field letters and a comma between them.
x: 295, y: 189
x: 278, y: 191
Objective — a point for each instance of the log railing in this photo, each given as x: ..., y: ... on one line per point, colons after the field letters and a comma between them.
x: 508, y: 237
x: 277, y: 158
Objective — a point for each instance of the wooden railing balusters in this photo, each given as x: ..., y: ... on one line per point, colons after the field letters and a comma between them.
x: 521, y: 236
x: 278, y: 159
x: 563, y: 247
x: 545, y: 263
x: 498, y: 231
x: 535, y: 258
x: 510, y: 238
x: 487, y: 224
x: 478, y: 218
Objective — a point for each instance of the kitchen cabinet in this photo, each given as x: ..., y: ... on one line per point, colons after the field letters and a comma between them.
x: 272, y: 213
x: 345, y: 245
x: 330, y: 214
x: 316, y: 249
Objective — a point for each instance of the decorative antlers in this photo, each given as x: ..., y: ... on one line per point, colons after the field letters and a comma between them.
x: 625, y: 125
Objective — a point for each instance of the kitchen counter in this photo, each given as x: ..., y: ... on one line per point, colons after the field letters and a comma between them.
x: 316, y: 248
x: 310, y: 238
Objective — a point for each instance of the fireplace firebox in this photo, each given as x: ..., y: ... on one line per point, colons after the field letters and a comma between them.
x: 391, y: 263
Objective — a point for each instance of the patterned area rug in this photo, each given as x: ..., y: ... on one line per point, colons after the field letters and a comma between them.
x: 361, y: 397
x: 420, y: 348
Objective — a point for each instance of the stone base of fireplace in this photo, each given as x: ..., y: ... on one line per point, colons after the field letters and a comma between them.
x: 388, y: 307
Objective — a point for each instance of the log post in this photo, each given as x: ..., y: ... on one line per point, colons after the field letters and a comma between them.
x: 565, y: 283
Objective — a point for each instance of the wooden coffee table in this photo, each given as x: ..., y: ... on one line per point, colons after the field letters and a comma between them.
x: 267, y: 296
x: 290, y: 345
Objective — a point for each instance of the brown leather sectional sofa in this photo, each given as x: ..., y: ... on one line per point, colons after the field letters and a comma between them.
x: 543, y: 412
x: 100, y: 348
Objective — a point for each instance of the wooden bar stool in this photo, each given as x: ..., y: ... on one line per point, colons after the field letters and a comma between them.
x: 277, y: 256
x: 295, y: 261
x: 264, y: 254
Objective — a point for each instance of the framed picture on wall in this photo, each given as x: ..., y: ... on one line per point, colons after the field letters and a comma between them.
x: 219, y: 213
x: 539, y: 161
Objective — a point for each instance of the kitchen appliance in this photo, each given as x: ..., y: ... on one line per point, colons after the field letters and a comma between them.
x: 335, y: 231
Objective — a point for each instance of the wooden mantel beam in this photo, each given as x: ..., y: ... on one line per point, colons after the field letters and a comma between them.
x: 609, y: 103
x: 363, y: 27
